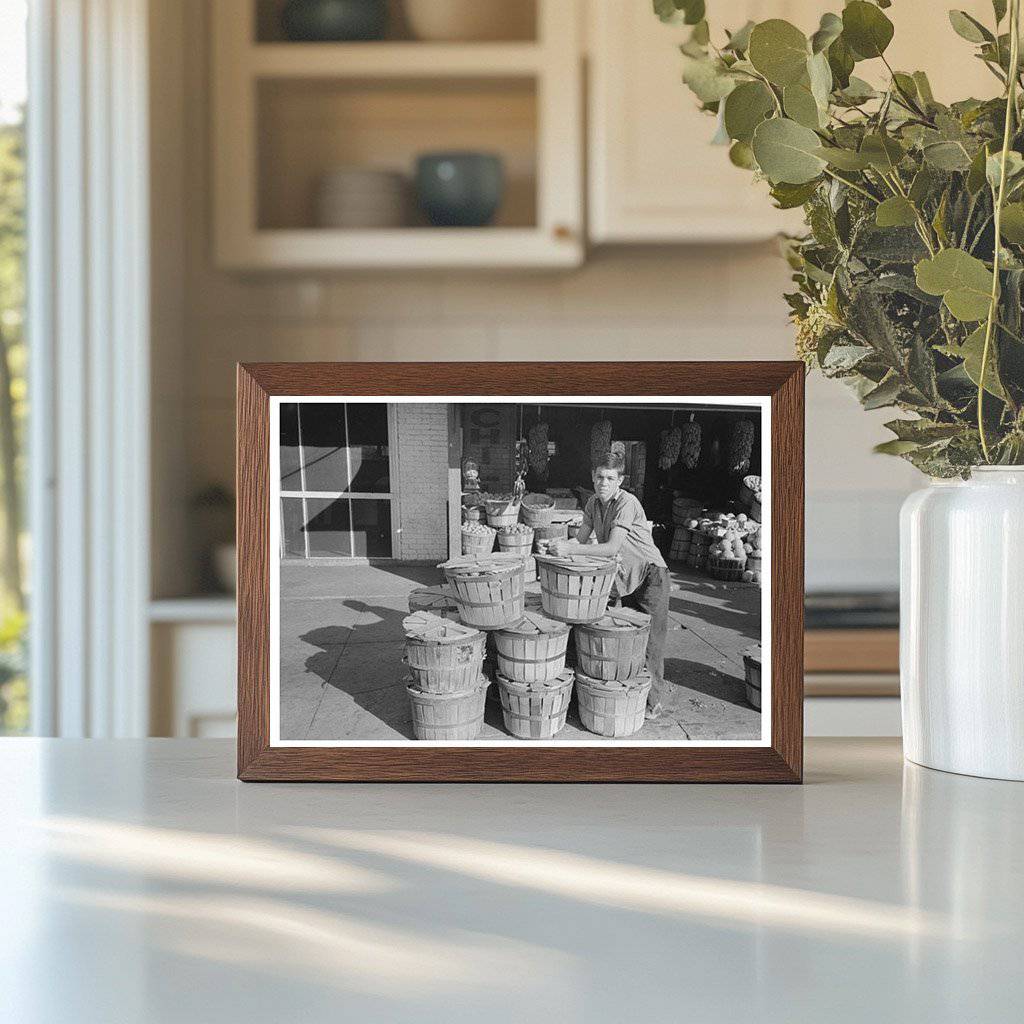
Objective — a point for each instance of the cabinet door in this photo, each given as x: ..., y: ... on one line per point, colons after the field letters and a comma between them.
x: 654, y: 176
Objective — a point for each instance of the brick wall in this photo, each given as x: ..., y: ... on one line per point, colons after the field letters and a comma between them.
x: 422, y: 455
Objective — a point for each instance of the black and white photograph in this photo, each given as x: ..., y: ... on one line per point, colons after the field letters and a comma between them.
x: 503, y: 571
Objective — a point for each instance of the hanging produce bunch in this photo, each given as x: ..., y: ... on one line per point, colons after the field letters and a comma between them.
x: 741, y: 445
x: 689, y: 452
x: 600, y: 441
x: 538, y: 449
x: 910, y: 276
x: 671, y: 445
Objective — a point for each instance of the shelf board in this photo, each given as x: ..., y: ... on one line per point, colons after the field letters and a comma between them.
x: 206, y: 608
x: 402, y: 247
x: 393, y: 60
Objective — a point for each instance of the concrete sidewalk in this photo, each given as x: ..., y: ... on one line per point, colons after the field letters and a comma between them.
x: 342, y: 647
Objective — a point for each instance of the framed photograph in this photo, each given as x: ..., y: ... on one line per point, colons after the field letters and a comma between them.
x: 578, y: 572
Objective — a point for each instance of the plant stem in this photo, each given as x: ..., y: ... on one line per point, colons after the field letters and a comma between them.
x: 1011, y: 107
x: 853, y: 185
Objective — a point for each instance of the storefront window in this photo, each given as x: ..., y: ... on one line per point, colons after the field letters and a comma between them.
x: 335, y: 461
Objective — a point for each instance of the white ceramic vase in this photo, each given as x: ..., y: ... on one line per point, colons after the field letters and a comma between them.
x: 962, y: 624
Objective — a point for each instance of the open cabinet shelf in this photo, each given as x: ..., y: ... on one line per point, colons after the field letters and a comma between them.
x: 286, y: 114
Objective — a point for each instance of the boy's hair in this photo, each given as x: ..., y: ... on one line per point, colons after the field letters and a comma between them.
x: 611, y: 460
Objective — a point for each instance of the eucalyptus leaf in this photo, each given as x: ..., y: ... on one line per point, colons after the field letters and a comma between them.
x: 786, y: 151
x: 1012, y: 223
x: 801, y: 106
x: 894, y: 212
x: 969, y: 28
x: 745, y: 108
x: 741, y: 155
x: 976, y: 173
x: 841, y: 62
x: 993, y: 167
x: 924, y: 88
x: 883, y: 152
x: 707, y: 78
x: 845, y: 159
x: 866, y: 29
x: 963, y: 281
x: 971, y: 351
x: 739, y: 41
x: 819, y: 75
x: 829, y: 30
x: 884, y: 394
x: 857, y: 91
x: 779, y: 51
x: 999, y: 9
x: 947, y: 156
x: 788, y: 196
x: 895, y: 447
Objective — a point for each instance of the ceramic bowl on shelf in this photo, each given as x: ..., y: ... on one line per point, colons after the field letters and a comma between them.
x: 362, y: 197
x: 334, y: 21
x: 471, y: 20
x: 460, y: 189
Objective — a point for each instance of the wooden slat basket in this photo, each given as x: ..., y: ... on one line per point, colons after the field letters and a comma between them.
x: 447, y: 716
x: 516, y: 538
x: 479, y: 540
x: 443, y: 656
x: 752, y: 675
x: 544, y: 535
x: 502, y: 511
x: 728, y: 569
x: 437, y: 600
x: 533, y: 649
x: 576, y: 588
x: 536, y: 710
x: 538, y: 509
x: 489, y: 590
x: 680, y: 544
x: 614, y: 647
x: 612, y: 708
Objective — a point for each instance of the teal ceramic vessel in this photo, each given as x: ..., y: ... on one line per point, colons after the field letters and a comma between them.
x: 334, y: 21
x: 460, y: 189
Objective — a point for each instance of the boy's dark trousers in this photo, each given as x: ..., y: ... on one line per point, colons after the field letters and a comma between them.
x: 652, y: 597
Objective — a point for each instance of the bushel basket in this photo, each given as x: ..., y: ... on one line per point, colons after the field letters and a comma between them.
x: 502, y: 511
x: 447, y: 716
x: 729, y: 569
x: 533, y: 649
x: 443, y: 656
x: 535, y: 711
x: 489, y: 589
x: 479, y: 540
x: 575, y: 588
x: 614, y: 647
x: 538, y: 509
x: 612, y: 708
x: 518, y: 541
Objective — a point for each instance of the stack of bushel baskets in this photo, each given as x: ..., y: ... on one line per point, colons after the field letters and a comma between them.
x: 683, y: 510
x: 611, y: 682
x: 446, y: 684
x: 534, y: 686
x: 611, y: 645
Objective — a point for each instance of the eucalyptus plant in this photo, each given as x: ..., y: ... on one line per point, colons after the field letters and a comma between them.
x: 910, y: 277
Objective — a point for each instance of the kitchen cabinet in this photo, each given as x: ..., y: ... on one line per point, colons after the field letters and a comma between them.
x: 653, y: 175
x: 286, y: 114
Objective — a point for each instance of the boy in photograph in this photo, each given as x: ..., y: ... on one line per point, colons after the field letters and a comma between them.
x: 618, y: 521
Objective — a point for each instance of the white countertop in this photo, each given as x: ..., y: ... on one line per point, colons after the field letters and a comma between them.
x: 140, y: 882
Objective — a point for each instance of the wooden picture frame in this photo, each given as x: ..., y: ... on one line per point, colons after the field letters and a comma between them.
x: 779, y: 759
